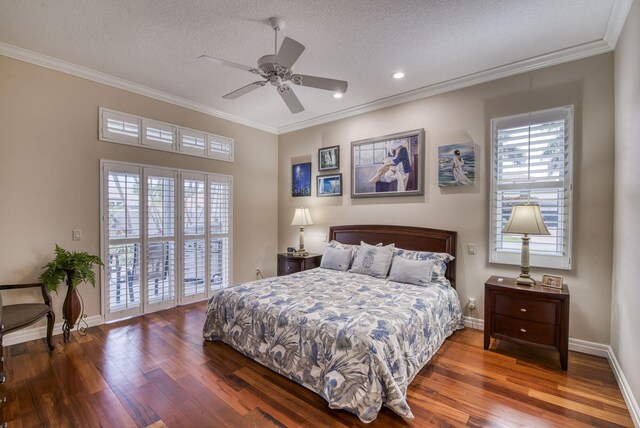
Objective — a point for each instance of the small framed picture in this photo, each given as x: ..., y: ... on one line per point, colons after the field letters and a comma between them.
x: 301, y: 179
x: 552, y: 281
x: 329, y: 158
x: 329, y: 185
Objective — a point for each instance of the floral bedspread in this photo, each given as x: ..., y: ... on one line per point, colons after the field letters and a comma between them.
x: 355, y: 340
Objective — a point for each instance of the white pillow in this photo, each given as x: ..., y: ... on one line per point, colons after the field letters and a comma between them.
x: 416, y: 272
x: 336, y: 258
x: 373, y: 260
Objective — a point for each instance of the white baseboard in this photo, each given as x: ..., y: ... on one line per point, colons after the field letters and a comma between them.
x: 627, y: 394
x: 25, y: 335
x: 577, y: 345
x: 590, y: 348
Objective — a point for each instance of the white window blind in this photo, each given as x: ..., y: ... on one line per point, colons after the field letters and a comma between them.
x: 124, y: 239
x: 532, y: 159
x: 158, y: 134
x: 157, y: 258
x: 161, y: 237
x: 220, y: 147
x: 219, y: 217
x: 194, y: 211
x: 117, y: 127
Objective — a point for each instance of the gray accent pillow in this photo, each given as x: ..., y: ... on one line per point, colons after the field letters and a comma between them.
x: 336, y: 258
x: 373, y: 260
x: 416, y: 272
x: 336, y: 244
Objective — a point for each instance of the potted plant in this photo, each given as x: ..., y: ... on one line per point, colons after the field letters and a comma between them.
x: 74, y: 268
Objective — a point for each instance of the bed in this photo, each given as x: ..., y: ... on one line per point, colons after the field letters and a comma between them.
x: 355, y: 340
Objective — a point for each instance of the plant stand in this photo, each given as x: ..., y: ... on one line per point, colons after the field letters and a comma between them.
x: 71, y: 309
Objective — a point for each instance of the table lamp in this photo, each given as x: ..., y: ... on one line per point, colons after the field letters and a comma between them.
x: 301, y: 218
x: 526, y: 219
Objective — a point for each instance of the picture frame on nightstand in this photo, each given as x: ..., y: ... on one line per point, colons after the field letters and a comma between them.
x: 553, y: 281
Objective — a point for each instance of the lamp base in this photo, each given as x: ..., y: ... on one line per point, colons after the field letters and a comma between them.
x: 300, y: 253
x: 525, y: 280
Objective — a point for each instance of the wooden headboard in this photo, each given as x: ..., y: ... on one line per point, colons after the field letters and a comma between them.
x: 406, y: 237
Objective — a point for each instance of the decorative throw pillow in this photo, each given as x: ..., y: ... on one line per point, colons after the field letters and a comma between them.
x: 439, y: 260
x: 416, y: 272
x: 373, y: 260
x: 336, y: 244
x: 336, y: 258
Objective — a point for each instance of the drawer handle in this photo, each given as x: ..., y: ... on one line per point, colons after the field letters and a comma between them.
x: 523, y: 310
x: 523, y: 330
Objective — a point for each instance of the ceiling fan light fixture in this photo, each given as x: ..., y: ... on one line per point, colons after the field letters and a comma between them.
x: 337, y: 95
x: 398, y: 75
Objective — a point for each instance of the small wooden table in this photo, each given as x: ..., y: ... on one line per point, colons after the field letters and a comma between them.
x: 527, y: 315
x: 289, y: 263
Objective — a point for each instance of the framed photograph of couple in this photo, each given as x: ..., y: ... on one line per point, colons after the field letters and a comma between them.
x: 329, y: 185
x: 391, y: 165
x: 329, y: 158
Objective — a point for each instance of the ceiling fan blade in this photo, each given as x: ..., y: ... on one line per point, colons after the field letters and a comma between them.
x: 244, y: 90
x: 320, y: 83
x: 289, y: 52
x: 228, y: 63
x: 290, y: 98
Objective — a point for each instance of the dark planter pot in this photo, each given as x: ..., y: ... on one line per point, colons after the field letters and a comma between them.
x: 71, y: 309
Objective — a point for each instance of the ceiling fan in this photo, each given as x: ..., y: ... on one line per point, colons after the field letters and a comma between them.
x: 277, y: 69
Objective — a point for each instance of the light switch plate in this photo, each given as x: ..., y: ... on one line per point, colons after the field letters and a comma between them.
x: 77, y: 235
x: 472, y: 248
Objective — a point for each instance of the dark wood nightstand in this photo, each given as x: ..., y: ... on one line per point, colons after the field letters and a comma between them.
x: 527, y: 315
x: 289, y: 263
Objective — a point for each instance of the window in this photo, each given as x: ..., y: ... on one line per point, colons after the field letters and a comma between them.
x: 158, y: 134
x: 166, y: 237
x: 532, y: 160
x: 116, y: 127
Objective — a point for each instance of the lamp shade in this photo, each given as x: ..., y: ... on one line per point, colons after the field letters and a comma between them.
x: 301, y: 217
x: 526, y: 218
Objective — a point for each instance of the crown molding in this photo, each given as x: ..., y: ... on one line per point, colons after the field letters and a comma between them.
x: 106, y: 79
x: 619, y: 11
x: 617, y: 17
x: 558, y: 57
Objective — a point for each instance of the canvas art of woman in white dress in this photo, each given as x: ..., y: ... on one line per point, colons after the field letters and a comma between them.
x: 458, y: 174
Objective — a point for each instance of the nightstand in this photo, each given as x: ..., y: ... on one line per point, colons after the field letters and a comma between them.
x: 289, y: 263
x: 527, y: 315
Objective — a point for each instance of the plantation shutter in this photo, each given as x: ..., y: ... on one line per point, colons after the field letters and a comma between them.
x: 123, y: 239
x: 194, y: 221
x: 161, y: 238
x: 166, y: 237
x: 219, y: 222
x: 532, y: 163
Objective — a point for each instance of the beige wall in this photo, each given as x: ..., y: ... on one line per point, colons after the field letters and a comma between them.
x: 625, y: 316
x: 49, y: 172
x: 460, y: 116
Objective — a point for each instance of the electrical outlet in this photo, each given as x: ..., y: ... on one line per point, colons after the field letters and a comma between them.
x: 471, y: 304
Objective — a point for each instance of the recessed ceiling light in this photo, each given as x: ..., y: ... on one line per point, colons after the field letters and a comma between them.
x: 337, y: 95
x: 398, y: 75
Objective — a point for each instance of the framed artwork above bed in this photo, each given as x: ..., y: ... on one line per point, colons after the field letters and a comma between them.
x: 392, y: 165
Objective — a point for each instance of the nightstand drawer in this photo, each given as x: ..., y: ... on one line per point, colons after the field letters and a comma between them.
x: 530, y: 309
x: 535, y: 332
x: 292, y: 266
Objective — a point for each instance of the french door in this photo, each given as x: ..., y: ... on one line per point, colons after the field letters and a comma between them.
x: 166, y: 237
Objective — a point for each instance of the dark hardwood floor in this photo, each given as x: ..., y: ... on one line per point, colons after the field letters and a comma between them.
x: 156, y: 371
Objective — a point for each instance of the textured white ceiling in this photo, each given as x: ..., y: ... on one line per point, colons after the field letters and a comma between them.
x: 156, y: 43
